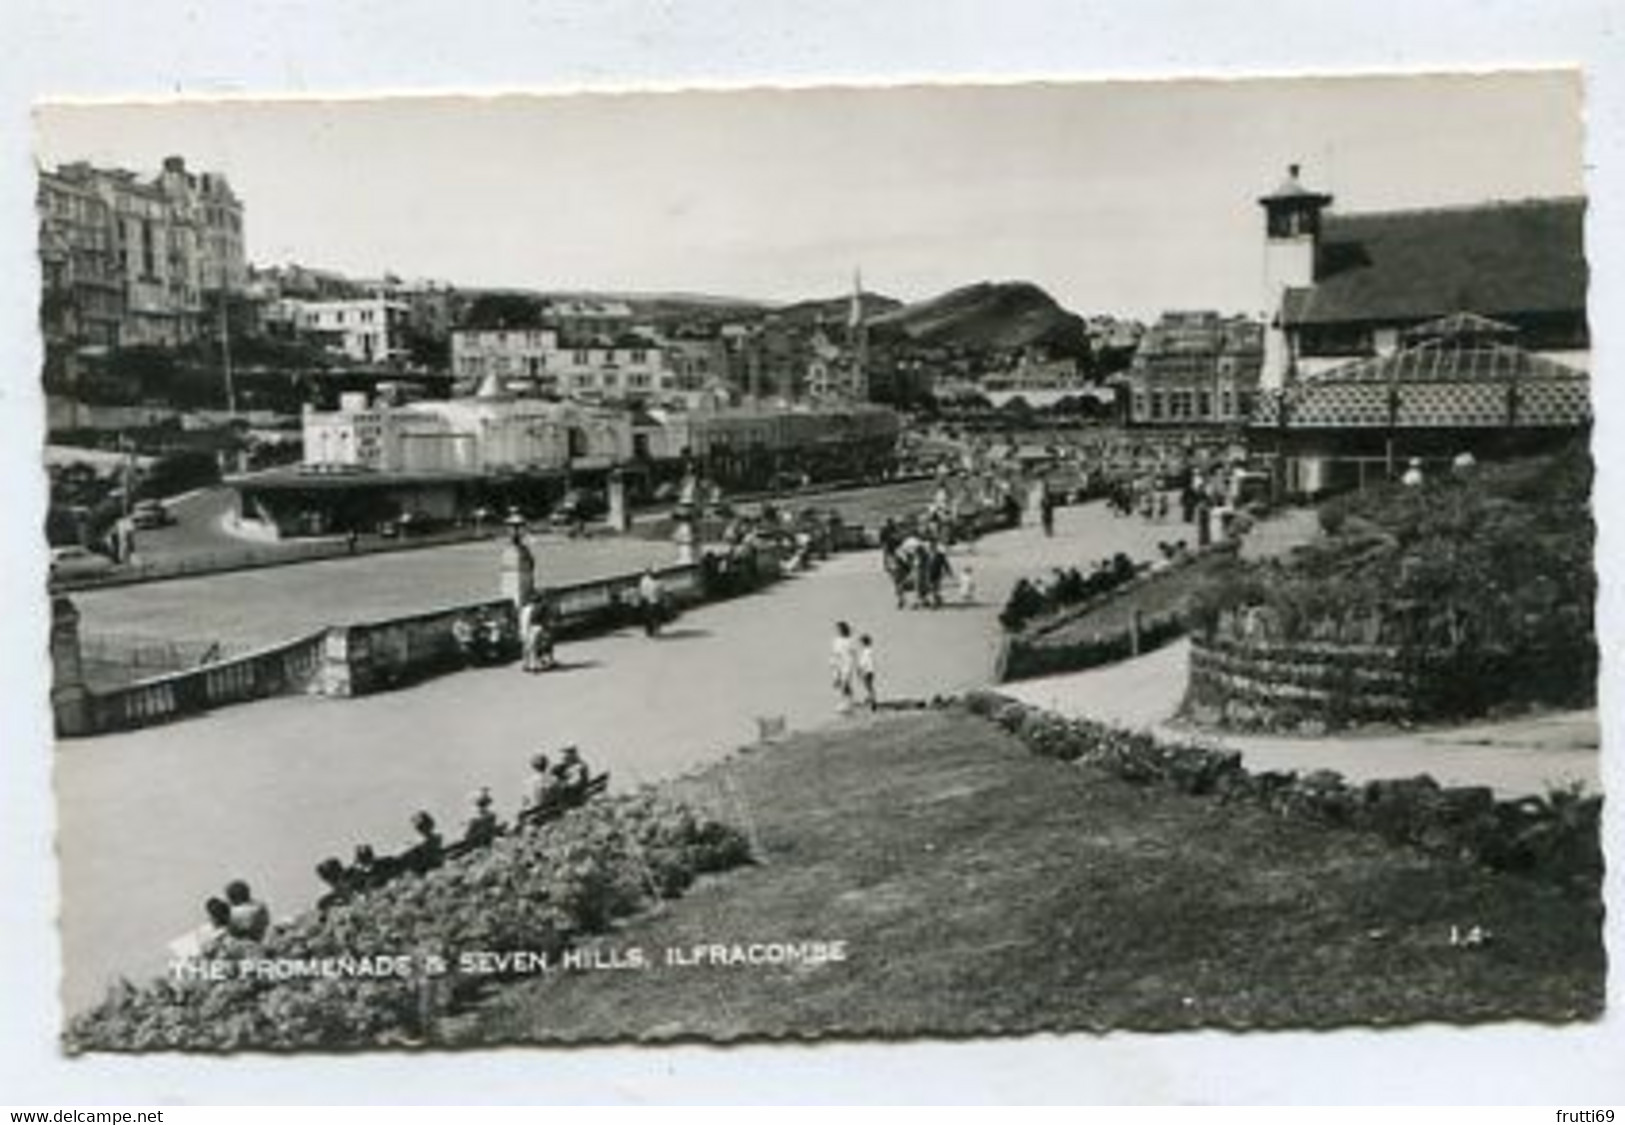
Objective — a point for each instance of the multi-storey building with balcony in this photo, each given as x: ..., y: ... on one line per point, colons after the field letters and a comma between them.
x: 137, y: 260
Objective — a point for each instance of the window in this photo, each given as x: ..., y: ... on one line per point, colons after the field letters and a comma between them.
x: 1204, y: 405
x: 1156, y: 406
x: 639, y: 355
x: 580, y: 358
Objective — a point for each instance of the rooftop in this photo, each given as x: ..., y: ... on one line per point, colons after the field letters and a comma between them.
x: 1501, y: 259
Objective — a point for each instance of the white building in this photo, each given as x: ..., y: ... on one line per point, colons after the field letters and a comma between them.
x: 489, y: 432
x: 364, y: 329
x: 597, y: 369
x: 509, y: 354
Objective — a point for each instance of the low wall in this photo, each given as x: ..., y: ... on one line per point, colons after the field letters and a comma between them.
x: 1556, y: 837
x: 353, y: 660
x: 378, y: 655
x: 283, y: 669
x: 1308, y: 687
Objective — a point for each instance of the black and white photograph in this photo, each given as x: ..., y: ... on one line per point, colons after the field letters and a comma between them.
x: 933, y: 561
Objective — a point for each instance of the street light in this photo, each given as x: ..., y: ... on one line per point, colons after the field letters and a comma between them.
x: 225, y: 351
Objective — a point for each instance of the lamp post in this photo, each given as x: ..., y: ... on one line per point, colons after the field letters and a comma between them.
x: 225, y: 351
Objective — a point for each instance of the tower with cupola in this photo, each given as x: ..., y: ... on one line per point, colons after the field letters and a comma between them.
x: 1292, y: 220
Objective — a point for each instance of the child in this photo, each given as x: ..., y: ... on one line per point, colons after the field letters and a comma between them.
x: 866, y: 668
x: 967, y: 584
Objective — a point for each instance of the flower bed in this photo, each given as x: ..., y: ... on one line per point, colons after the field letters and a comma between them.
x: 1130, y: 612
x: 1023, y: 658
x: 1556, y: 837
x: 539, y: 892
x: 1452, y: 600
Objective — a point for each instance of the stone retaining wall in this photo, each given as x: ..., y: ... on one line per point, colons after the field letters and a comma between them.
x: 1305, y: 687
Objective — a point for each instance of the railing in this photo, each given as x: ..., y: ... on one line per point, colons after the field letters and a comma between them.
x: 279, y: 670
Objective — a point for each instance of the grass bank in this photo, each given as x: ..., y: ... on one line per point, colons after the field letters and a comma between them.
x: 979, y: 888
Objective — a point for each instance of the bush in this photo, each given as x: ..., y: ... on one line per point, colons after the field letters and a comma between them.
x: 1556, y: 837
x: 537, y: 891
x: 1486, y: 584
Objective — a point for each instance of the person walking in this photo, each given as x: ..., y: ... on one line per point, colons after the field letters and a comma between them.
x: 843, y: 665
x: 652, y: 598
x: 939, y: 568
x: 866, y: 669
x: 530, y: 633
x: 544, y: 624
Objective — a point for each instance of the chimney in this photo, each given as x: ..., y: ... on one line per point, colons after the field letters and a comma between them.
x: 175, y: 164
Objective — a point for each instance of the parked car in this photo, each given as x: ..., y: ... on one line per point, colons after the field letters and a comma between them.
x: 78, y: 562
x: 148, y: 514
x: 406, y: 524
x: 578, y: 506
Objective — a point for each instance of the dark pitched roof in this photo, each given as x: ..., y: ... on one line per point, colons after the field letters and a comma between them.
x: 1499, y: 259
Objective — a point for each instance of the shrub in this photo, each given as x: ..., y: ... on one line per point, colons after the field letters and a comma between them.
x: 537, y: 891
x: 1486, y: 585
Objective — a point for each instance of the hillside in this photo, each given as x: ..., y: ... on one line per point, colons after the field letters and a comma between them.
x: 990, y: 316
x: 837, y: 309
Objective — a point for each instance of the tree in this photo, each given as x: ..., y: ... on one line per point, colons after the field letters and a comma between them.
x: 504, y: 310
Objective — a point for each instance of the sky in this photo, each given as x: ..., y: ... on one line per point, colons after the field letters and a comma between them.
x: 1121, y: 197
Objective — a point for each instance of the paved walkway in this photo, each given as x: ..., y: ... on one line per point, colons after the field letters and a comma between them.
x: 154, y: 821
x: 1515, y: 757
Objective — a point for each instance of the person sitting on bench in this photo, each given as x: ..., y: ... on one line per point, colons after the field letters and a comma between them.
x: 544, y: 794
x: 248, y: 917
x: 368, y: 871
x: 427, y: 854
x: 483, y: 827
x: 339, y: 890
x: 571, y: 776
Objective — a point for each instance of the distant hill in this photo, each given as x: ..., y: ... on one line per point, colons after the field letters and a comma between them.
x: 990, y: 316
x: 831, y: 309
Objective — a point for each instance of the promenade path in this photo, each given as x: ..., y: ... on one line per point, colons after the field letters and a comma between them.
x: 154, y: 821
x: 1515, y: 757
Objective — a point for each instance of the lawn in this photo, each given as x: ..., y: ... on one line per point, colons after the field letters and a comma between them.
x: 981, y: 889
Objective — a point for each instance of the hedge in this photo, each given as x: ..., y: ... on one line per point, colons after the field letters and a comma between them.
x: 1556, y: 837
x: 540, y: 891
